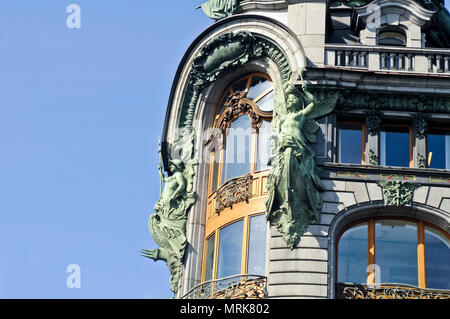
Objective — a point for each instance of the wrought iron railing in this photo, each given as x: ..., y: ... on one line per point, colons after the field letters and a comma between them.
x: 233, y: 191
x: 234, y: 287
x: 388, y: 291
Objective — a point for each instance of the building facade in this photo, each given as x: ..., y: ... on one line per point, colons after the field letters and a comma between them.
x: 307, y: 151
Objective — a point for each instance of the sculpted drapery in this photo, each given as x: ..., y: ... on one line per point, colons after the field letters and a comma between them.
x: 219, y: 9
x: 294, y: 200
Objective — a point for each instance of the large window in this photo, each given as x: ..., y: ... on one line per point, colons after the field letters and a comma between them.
x: 236, y: 248
x: 243, y: 117
x: 405, y: 252
x: 439, y: 148
x: 235, y: 230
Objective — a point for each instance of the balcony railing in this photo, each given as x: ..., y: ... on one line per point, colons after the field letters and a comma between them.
x: 234, y: 287
x: 388, y: 291
x: 378, y: 58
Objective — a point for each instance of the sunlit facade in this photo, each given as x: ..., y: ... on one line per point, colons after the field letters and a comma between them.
x: 382, y: 153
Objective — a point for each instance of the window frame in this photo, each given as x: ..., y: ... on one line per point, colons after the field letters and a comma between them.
x: 219, y: 140
x: 363, y: 139
x: 443, y: 129
x: 391, y: 29
x: 411, y: 141
x: 371, y: 258
x: 244, y: 248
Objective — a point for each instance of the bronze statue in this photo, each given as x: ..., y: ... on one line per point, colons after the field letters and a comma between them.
x: 294, y: 199
x: 168, y: 223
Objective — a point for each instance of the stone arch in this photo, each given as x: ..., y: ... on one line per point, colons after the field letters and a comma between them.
x: 230, y: 48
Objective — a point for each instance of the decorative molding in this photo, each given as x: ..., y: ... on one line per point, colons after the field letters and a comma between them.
x: 421, y: 161
x: 233, y: 287
x: 373, y: 121
x: 352, y: 174
x: 397, y: 193
x: 237, y: 105
x: 234, y: 191
x: 222, y: 55
x: 439, y: 179
x: 386, y: 101
x: 373, y: 158
x: 388, y: 291
x: 398, y: 177
x: 409, y: 9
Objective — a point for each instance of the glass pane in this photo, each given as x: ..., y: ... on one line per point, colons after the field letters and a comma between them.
x: 230, y: 249
x: 396, y: 251
x: 265, y: 132
x: 352, y: 255
x: 391, y: 38
x: 258, y: 86
x: 238, y: 146
x: 222, y: 106
x: 394, y: 146
x: 437, y: 259
x: 350, y: 143
x: 240, y: 86
x: 439, y: 150
x: 209, y: 257
x: 257, y: 245
x: 266, y: 103
x: 215, y: 168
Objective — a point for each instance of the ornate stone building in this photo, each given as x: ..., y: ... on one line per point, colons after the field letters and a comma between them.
x: 307, y: 145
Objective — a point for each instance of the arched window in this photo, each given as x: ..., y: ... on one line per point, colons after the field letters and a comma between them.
x: 235, y: 232
x: 392, y: 37
x: 243, y: 118
x: 404, y: 252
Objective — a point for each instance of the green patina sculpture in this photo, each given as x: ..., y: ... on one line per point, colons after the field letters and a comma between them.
x: 168, y: 223
x: 397, y: 193
x: 294, y: 200
x: 438, y: 34
x: 421, y: 161
x: 373, y: 158
x: 219, y: 9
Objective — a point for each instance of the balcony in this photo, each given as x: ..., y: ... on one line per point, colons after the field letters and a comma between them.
x: 390, y: 59
x: 233, y: 287
x: 388, y: 291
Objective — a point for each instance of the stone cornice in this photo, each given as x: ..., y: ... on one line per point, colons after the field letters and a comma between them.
x: 387, y: 101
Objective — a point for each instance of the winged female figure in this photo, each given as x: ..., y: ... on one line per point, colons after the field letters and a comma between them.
x: 294, y: 185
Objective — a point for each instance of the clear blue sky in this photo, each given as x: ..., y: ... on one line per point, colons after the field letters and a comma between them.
x: 80, y: 113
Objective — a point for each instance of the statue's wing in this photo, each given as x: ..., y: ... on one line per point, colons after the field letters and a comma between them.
x: 279, y: 101
x: 154, y: 224
x: 321, y: 108
x: 310, y: 129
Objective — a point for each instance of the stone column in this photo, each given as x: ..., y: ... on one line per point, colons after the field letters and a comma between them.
x: 307, y: 19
